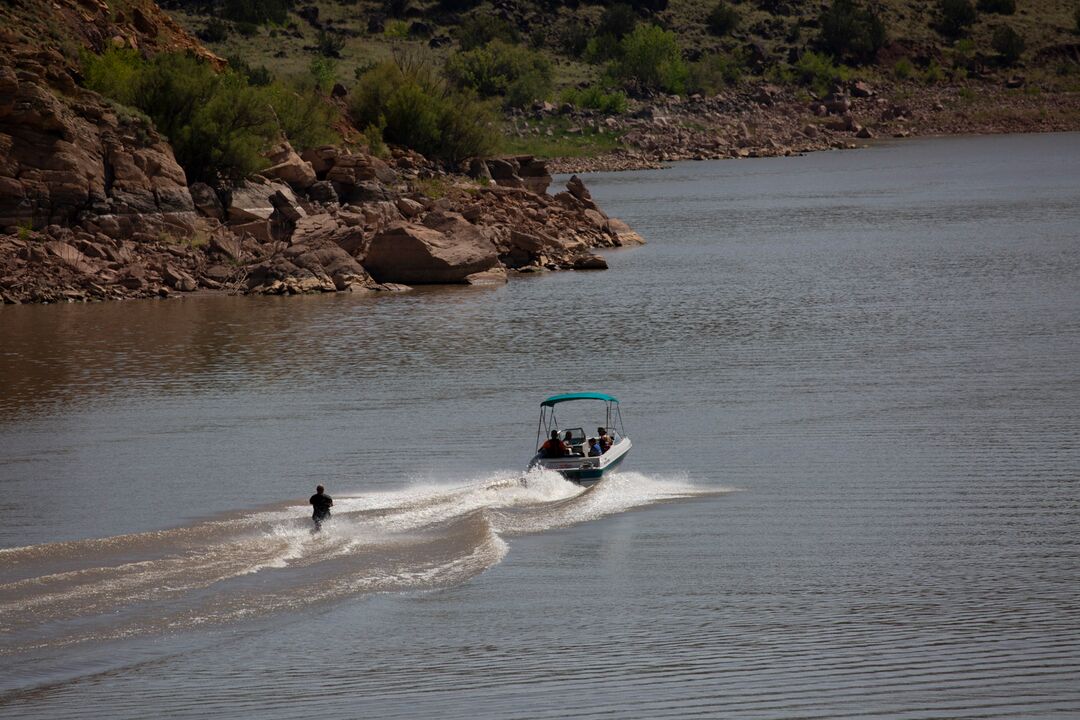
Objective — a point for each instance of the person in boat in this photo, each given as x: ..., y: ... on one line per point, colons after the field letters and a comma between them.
x: 605, y: 440
x: 568, y: 441
x: 320, y: 503
x: 594, y: 448
x: 553, y: 447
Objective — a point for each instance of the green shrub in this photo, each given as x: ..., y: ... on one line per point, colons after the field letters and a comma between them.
x: 618, y: 21
x: 650, y: 59
x: 903, y: 69
x: 963, y: 55
x: 227, y: 134
x: 215, y: 31
x: 602, y: 48
x: 306, y: 118
x: 722, y: 19
x: 113, y: 73
x: 218, y: 124
x: 322, y: 71
x: 819, y: 73
x: 516, y: 73
x: 416, y: 109
x: 573, y: 38
x: 998, y: 7
x: 956, y: 17
x: 259, y: 76
x: 714, y: 72
x: 477, y: 31
x: 595, y: 98
x: 256, y: 12
x: 849, y: 30
x: 373, y: 136
x: 933, y: 73
x: 329, y: 44
x: 397, y: 29
x: 1008, y: 44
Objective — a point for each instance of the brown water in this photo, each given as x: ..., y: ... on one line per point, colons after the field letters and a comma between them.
x: 851, y: 382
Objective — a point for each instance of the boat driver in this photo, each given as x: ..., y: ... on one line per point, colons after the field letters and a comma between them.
x: 553, y: 447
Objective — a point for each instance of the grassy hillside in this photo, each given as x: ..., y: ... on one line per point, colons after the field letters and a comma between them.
x: 581, y: 52
x: 361, y: 32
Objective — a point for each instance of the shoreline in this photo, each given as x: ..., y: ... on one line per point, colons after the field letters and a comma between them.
x: 773, y: 122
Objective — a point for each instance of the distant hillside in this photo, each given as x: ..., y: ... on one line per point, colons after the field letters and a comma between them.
x: 615, y: 59
x: 285, y: 35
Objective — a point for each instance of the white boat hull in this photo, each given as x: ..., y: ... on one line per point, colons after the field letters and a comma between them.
x: 586, y: 470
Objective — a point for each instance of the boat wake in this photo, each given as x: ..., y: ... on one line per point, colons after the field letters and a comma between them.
x: 256, y: 563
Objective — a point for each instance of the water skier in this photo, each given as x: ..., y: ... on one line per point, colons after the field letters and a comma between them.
x: 320, y: 503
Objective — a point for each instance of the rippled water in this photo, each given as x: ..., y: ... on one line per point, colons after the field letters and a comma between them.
x: 851, y: 382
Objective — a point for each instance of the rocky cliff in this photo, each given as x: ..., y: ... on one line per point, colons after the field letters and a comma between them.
x: 93, y: 204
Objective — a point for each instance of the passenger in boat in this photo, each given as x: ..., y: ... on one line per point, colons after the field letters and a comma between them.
x: 568, y: 441
x: 320, y: 503
x: 553, y: 447
x: 594, y: 448
x: 605, y: 439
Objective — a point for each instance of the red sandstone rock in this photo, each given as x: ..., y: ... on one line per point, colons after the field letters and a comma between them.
x: 419, y: 254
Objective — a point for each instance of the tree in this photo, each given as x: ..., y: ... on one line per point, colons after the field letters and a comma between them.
x: 513, y: 72
x: 1008, y: 44
x: 851, y: 31
x: 956, y: 17
x: 412, y: 106
x: 650, y: 59
x: 722, y: 19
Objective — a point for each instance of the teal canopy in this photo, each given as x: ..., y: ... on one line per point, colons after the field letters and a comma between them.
x: 555, y: 399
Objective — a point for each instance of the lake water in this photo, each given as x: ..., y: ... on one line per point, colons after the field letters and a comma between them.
x: 852, y: 381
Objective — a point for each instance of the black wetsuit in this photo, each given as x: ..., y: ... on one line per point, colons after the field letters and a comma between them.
x: 321, y: 503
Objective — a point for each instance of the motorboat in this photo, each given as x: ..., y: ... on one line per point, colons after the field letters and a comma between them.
x: 568, y: 452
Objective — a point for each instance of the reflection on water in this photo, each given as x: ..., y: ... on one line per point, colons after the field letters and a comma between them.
x: 878, y: 348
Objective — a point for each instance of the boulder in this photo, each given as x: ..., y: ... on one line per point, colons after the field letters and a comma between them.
x: 321, y: 158
x: 178, y: 279
x: 534, y: 174
x: 589, y: 261
x: 323, y: 191
x: 227, y: 244
x: 290, y: 168
x: 70, y: 257
x: 260, y: 230
x: 623, y: 233
x: 596, y: 219
x: 314, y: 230
x: 250, y: 201
x: 860, y: 89
x: 494, y: 276
x: 444, y: 250
x: 286, y: 209
x: 577, y: 188
x: 206, y: 201
x: 478, y: 170
x: 408, y: 208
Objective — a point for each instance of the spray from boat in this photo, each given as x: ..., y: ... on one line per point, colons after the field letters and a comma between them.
x: 252, y: 564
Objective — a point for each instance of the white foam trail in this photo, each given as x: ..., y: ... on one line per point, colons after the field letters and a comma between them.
x: 422, y: 536
x: 614, y: 494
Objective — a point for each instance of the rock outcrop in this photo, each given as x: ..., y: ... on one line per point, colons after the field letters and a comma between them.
x: 445, y: 249
x: 94, y: 206
x: 74, y: 159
